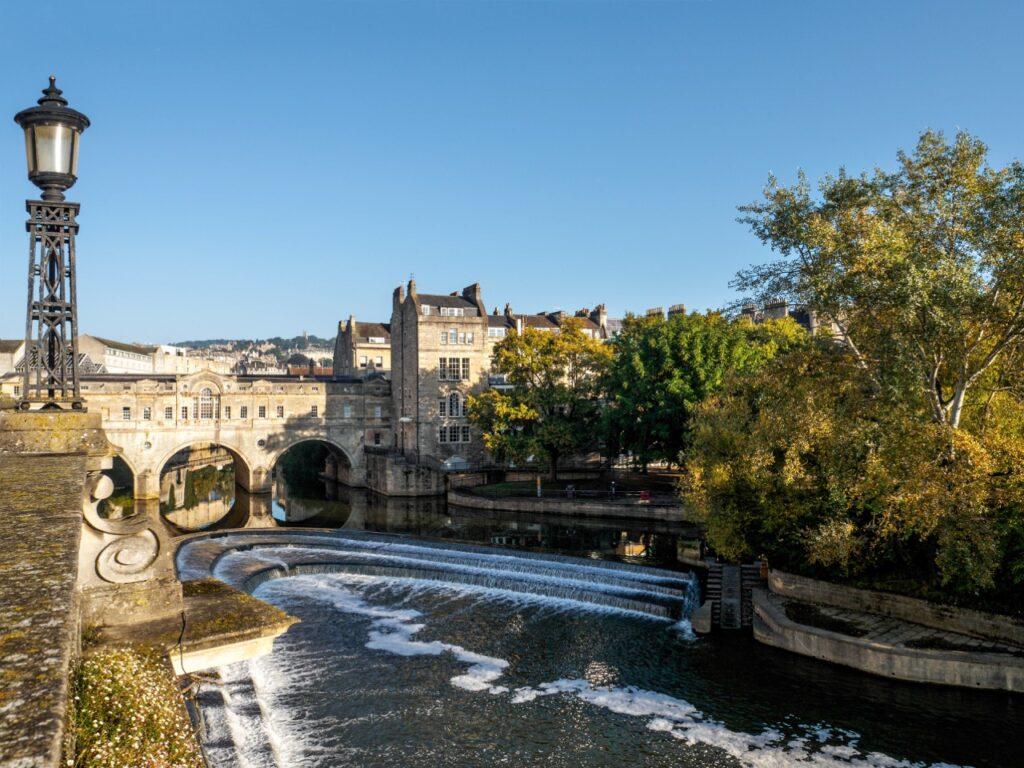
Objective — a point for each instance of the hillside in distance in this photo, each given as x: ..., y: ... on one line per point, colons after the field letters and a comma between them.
x: 296, y: 342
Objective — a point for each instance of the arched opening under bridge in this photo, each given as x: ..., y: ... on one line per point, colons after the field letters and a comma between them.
x: 309, y: 484
x: 199, y: 487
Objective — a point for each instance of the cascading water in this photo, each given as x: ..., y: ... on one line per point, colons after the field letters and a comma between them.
x: 425, y: 653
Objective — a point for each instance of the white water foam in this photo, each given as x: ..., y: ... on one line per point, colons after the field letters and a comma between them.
x: 624, y: 589
x: 327, y: 581
x: 245, y: 719
x: 511, y: 561
x: 683, y: 721
x: 392, y: 630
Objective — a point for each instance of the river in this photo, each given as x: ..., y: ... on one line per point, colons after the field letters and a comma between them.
x: 418, y: 669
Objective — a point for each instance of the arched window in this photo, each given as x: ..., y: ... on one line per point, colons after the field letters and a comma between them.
x: 455, y: 404
x: 207, y: 405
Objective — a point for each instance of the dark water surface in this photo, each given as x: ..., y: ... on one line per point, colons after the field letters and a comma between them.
x: 388, y: 671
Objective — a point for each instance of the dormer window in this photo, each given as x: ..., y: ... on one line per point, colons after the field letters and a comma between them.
x: 452, y: 312
x: 426, y: 309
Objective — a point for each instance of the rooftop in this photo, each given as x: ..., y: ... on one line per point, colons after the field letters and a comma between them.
x: 372, y: 330
x: 438, y: 300
x: 138, y: 349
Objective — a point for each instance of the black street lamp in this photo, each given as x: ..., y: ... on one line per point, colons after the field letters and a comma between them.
x: 52, y: 134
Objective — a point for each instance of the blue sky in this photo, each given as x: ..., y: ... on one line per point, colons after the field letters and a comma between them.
x: 260, y: 168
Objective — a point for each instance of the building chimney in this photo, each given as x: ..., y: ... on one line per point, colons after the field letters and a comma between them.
x: 655, y: 312
x: 776, y: 309
x: 677, y: 309
x: 472, y: 293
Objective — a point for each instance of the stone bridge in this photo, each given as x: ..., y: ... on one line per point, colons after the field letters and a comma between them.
x: 149, y: 418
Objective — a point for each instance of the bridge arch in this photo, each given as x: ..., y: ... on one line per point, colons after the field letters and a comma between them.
x: 199, y: 482
x: 243, y: 464
x: 337, y: 448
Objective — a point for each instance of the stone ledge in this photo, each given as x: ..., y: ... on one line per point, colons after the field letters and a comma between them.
x: 627, y: 510
x: 945, y: 617
x: 959, y: 668
x: 49, y: 433
x: 40, y: 509
x: 222, y: 625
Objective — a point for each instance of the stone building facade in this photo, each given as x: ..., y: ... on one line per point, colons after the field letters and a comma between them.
x: 362, y: 347
x: 441, y: 349
x: 439, y: 356
x: 804, y: 317
x: 11, y: 351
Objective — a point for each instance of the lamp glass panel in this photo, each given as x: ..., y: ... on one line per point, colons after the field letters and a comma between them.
x: 74, y: 153
x: 30, y: 156
x: 53, y: 148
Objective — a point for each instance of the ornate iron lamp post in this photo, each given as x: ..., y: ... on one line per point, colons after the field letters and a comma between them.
x: 52, y: 134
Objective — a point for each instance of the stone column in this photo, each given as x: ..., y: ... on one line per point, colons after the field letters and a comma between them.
x: 147, y: 484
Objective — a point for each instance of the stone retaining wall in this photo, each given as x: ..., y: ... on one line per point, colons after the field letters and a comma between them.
x: 946, y: 617
x: 960, y: 668
x: 392, y: 475
x: 627, y: 509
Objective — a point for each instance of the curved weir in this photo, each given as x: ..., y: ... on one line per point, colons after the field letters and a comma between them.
x: 248, y: 561
x: 428, y: 653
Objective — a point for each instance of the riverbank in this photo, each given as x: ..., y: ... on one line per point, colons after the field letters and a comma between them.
x: 889, y: 635
x: 627, y: 508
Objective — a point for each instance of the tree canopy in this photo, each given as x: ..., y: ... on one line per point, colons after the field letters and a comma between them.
x: 892, y: 451
x: 661, y: 369
x: 921, y: 269
x: 553, y: 406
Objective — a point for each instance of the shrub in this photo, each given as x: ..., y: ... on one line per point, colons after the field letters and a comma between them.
x: 128, y: 713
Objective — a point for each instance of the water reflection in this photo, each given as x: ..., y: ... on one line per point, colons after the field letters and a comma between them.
x: 327, y: 504
x: 198, y: 493
x: 197, y: 487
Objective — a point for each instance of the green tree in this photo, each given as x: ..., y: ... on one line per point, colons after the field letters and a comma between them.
x: 554, y: 405
x: 921, y: 270
x: 662, y: 369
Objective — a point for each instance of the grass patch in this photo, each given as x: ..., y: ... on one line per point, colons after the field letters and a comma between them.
x: 128, y: 712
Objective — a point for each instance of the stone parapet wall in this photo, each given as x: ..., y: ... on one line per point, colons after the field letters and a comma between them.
x: 45, y: 458
x: 945, y: 617
x: 960, y: 668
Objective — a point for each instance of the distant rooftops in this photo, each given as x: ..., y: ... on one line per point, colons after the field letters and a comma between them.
x: 138, y: 349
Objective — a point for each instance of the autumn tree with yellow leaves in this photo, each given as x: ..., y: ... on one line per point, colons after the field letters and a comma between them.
x: 892, y: 451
